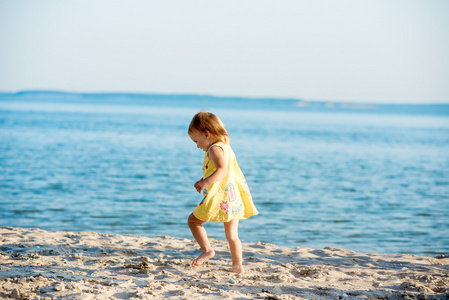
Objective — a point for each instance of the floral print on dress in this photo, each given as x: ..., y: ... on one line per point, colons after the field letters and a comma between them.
x: 237, y: 209
x: 230, y: 188
x: 233, y: 205
x: 205, y: 195
x: 224, y: 206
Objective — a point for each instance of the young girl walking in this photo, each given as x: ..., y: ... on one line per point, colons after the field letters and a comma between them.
x: 226, y: 195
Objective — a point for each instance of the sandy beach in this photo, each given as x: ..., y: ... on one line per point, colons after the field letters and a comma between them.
x: 40, y: 264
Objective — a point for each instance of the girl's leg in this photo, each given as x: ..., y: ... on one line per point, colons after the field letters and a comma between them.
x: 232, y: 235
x: 200, y: 235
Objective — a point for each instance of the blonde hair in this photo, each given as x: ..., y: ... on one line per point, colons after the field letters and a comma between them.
x: 206, y: 121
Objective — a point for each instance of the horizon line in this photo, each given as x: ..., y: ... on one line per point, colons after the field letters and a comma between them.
x: 299, y: 100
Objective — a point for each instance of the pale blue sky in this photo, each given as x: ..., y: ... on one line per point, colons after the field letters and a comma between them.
x: 389, y: 51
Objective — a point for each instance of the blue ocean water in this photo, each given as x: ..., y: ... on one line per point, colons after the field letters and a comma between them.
x: 370, y: 180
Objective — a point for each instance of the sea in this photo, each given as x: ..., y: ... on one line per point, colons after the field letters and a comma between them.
x: 369, y: 178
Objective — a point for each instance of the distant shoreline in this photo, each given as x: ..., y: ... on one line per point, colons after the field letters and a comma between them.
x: 297, y: 104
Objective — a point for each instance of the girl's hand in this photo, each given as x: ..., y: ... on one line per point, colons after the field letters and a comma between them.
x: 200, y: 185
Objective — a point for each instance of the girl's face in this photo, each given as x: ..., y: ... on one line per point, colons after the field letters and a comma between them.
x: 203, y: 140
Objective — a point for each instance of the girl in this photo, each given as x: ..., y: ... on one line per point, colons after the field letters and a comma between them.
x: 226, y: 195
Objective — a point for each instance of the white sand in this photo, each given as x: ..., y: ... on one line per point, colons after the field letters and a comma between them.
x: 39, y: 264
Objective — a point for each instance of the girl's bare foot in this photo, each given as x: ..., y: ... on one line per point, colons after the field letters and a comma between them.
x: 203, y: 257
x: 237, y: 269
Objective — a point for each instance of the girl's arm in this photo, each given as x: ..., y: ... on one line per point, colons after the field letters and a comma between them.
x: 217, y: 157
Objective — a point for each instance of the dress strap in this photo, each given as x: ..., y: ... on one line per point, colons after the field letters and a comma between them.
x: 219, y: 144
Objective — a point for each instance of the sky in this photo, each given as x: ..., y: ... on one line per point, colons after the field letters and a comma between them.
x: 375, y: 51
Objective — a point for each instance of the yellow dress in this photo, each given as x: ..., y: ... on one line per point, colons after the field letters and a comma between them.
x: 228, y: 198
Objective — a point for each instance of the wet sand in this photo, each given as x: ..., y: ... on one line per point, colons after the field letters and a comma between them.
x: 40, y: 264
